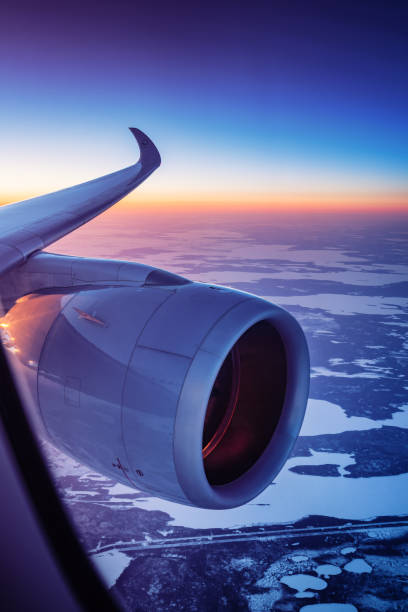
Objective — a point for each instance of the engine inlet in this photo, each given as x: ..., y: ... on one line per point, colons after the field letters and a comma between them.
x: 245, y: 404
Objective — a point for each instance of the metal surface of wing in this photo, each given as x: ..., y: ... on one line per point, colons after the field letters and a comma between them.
x: 31, y: 225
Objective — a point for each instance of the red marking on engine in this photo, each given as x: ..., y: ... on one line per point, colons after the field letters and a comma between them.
x: 88, y: 317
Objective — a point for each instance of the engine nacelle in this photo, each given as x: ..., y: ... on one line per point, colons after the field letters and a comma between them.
x: 191, y: 392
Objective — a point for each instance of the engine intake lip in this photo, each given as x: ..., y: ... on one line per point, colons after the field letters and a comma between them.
x: 198, y: 487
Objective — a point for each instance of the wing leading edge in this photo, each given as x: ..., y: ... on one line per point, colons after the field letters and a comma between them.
x: 31, y: 225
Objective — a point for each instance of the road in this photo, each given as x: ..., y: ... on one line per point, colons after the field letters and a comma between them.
x: 244, y: 535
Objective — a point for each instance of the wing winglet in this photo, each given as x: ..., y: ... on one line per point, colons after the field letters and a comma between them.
x: 149, y: 154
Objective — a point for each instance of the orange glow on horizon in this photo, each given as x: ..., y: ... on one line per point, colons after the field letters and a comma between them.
x: 260, y: 202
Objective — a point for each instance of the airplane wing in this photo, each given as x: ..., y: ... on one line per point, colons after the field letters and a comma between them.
x: 31, y: 225
x: 161, y: 358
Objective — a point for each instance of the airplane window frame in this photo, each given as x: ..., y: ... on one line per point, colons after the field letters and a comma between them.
x: 74, y: 566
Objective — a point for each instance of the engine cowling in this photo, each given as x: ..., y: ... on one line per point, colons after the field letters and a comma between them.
x: 191, y: 392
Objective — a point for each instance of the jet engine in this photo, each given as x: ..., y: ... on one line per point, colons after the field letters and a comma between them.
x: 191, y: 392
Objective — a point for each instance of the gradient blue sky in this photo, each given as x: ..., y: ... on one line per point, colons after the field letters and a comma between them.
x: 253, y: 100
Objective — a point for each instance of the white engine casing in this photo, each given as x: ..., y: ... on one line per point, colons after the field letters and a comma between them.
x: 124, y: 376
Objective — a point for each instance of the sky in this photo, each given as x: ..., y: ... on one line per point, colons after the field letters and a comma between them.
x: 252, y: 104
